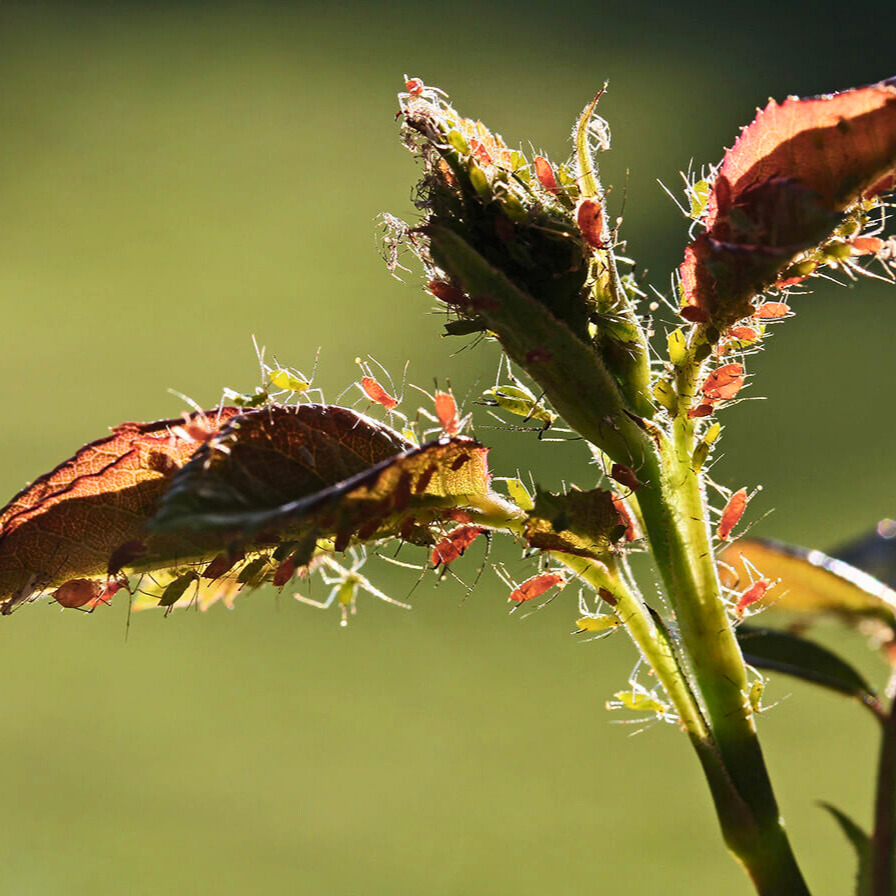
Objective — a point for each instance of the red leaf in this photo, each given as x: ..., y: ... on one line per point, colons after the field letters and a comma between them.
x: 89, y: 513
x: 781, y: 189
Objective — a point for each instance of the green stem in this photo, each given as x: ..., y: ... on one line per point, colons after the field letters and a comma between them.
x: 883, y: 840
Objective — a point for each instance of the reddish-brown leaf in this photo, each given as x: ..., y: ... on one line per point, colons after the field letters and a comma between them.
x: 89, y: 513
x: 288, y: 470
x: 781, y: 189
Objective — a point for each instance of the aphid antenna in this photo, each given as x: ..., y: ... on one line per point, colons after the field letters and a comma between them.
x: 673, y: 197
x: 187, y: 400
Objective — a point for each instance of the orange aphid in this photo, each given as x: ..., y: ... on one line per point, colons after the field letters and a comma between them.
x: 545, y: 174
x: 723, y: 383
x: 414, y: 86
x: 732, y: 513
x: 754, y: 593
x: 866, y: 245
x: 536, y: 586
x: 453, y: 545
x: 625, y: 518
x: 772, y: 310
x: 702, y: 410
x: 590, y: 218
x: 375, y: 392
x: 77, y: 593
x: 446, y: 411
x: 743, y: 334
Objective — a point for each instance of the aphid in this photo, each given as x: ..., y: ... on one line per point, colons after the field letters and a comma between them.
x: 694, y: 314
x: 754, y: 695
x: 174, y: 591
x: 678, y: 347
x: 732, y: 513
x: 453, y: 545
x: 347, y: 582
x: 625, y: 518
x: 285, y: 571
x: 545, y: 174
x: 702, y: 410
x: 590, y: 218
x: 449, y: 294
x: 536, y: 586
x: 221, y: 565
x: 414, y: 86
x: 602, y: 623
x: 517, y: 399
x: 771, y: 310
x: 375, y: 391
x: 723, y: 383
x: 637, y: 701
x: 447, y: 414
x: 76, y: 593
x: 284, y: 380
x: 625, y: 476
x: 751, y: 595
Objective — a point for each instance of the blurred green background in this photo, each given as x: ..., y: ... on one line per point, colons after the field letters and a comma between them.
x: 175, y: 178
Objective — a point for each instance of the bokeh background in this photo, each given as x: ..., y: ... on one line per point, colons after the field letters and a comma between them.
x: 177, y: 177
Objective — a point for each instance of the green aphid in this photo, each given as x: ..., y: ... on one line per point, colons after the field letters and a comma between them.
x: 603, y: 623
x: 174, y: 591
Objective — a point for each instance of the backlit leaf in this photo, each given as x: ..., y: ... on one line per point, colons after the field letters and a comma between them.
x: 813, y: 584
x: 783, y: 188
x: 75, y: 520
x: 582, y: 523
x: 861, y: 843
x: 322, y: 469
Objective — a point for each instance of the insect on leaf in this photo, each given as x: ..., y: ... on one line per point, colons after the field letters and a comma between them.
x: 75, y: 521
x: 814, y: 584
x: 294, y: 469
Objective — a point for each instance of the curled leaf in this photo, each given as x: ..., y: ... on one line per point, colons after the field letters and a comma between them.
x: 291, y: 471
x: 584, y: 523
x: 86, y: 518
x: 782, y: 188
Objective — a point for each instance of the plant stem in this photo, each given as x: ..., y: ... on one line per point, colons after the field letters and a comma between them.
x: 883, y: 839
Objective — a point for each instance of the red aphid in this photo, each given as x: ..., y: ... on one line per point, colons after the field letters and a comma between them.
x: 285, y: 571
x: 481, y: 153
x: 414, y: 86
x: 375, y: 392
x: 754, y: 593
x: 545, y: 174
x: 536, y: 586
x: 221, y: 565
x: 771, y: 310
x: 446, y: 411
x: 625, y: 518
x: 625, y: 476
x: 590, y: 218
x: 702, y: 410
x: 453, y: 545
x: 724, y: 382
x: 732, y: 513
x: 107, y: 592
x: 448, y: 294
x: 694, y: 314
